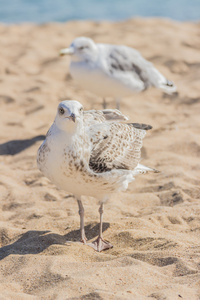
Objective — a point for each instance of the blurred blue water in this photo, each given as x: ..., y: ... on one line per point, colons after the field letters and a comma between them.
x: 41, y: 11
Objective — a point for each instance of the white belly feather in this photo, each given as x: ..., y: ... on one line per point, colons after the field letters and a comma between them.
x: 92, y: 78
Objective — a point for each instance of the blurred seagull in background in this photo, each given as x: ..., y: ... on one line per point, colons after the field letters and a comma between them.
x: 93, y: 153
x: 113, y: 70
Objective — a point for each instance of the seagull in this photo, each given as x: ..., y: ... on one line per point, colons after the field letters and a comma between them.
x: 92, y: 153
x: 113, y: 70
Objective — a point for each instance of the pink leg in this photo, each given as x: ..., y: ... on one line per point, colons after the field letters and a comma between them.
x: 100, y: 244
x: 81, y: 213
x: 117, y: 103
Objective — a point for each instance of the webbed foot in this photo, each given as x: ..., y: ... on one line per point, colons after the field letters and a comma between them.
x: 100, y: 244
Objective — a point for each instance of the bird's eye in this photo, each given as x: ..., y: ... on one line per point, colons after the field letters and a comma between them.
x: 61, y: 111
x: 81, y: 109
x: 83, y: 47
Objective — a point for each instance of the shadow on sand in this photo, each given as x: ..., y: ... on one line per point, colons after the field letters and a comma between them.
x: 35, y: 242
x: 16, y: 146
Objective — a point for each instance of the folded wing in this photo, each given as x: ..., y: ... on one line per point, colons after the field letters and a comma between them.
x: 115, y: 146
x: 100, y: 116
x: 130, y: 66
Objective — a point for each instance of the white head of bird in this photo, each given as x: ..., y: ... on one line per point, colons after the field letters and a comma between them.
x: 69, y: 116
x: 81, y: 49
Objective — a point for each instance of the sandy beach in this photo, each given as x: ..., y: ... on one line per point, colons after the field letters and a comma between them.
x: 154, y: 226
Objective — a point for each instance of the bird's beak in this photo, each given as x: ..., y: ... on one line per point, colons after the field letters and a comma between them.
x: 65, y: 51
x: 73, y: 117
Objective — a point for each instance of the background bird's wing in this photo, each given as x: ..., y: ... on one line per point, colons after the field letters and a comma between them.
x: 123, y: 60
x: 115, y: 146
x: 126, y: 60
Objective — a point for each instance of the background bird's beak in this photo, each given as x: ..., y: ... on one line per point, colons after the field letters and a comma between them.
x: 73, y: 117
x: 65, y: 51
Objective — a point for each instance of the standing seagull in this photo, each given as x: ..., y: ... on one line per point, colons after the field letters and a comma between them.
x: 93, y: 153
x: 113, y: 70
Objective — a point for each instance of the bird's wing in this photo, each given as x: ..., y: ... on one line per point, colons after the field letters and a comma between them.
x: 126, y: 62
x: 115, y: 146
x: 123, y: 61
x: 107, y: 115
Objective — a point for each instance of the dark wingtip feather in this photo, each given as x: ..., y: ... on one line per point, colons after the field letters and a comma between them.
x: 156, y: 171
x: 169, y: 83
x: 141, y: 126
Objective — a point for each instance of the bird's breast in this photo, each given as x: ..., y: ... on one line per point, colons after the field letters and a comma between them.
x: 62, y: 162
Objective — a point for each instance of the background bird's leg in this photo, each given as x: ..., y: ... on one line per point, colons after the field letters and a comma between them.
x: 101, y: 220
x: 100, y: 244
x: 81, y: 213
x: 117, y: 103
x: 117, y: 100
x: 104, y: 104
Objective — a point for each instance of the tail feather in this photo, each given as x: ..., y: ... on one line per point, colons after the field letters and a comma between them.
x: 168, y: 87
x: 159, y: 81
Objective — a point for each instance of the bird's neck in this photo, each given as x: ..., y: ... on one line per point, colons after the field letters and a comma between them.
x: 70, y: 133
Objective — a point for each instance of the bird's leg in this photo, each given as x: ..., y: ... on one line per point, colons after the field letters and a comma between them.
x: 104, y: 104
x: 101, y: 220
x: 117, y: 103
x: 100, y: 244
x: 81, y: 213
